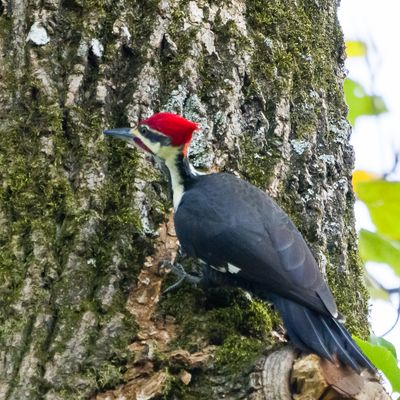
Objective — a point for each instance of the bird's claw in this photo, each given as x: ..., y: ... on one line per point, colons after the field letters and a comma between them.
x: 180, y: 272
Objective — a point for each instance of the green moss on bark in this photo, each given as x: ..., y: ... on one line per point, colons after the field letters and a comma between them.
x: 292, y: 61
x: 238, y: 353
x: 65, y: 242
x: 174, y: 52
x: 225, y: 318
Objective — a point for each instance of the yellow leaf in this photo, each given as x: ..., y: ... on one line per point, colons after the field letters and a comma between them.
x: 363, y: 176
x: 356, y: 48
x: 383, y: 201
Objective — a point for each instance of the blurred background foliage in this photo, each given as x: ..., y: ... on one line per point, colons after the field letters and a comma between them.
x: 363, y: 103
x: 359, y: 101
x: 381, y: 196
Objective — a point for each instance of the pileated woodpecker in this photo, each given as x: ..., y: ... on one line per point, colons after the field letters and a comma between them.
x: 247, y: 240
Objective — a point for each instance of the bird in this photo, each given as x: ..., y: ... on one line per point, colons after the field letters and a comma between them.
x: 246, y: 240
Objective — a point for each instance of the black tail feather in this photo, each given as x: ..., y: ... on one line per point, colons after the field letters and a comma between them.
x: 322, y: 334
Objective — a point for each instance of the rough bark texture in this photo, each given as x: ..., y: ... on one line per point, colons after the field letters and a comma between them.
x: 83, y: 219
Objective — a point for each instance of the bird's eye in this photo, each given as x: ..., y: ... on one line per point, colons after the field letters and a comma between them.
x: 143, y: 130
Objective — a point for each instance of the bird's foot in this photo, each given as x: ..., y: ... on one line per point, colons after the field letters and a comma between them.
x: 180, y: 272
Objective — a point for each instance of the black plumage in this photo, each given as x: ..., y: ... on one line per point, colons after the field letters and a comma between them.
x: 233, y: 226
x: 246, y: 240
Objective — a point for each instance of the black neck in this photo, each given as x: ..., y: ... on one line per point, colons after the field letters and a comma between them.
x: 185, y: 170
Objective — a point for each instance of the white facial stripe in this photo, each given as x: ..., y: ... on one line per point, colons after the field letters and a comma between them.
x: 233, y: 269
x: 153, y: 146
x: 169, y: 154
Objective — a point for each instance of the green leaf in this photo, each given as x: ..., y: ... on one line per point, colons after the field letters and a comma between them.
x: 356, y: 48
x: 376, y: 247
x: 383, y: 359
x: 383, y: 201
x: 360, y: 103
x: 385, y: 343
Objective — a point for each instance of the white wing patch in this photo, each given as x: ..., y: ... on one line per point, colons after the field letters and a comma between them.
x: 233, y: 269
x: 219, y: 269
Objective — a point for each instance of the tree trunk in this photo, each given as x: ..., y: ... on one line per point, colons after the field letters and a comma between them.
x: 85, y: 220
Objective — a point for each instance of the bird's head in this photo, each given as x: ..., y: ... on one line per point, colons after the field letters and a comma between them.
x: 163, y: 134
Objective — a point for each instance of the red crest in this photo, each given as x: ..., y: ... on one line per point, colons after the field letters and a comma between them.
x: 179, y: 129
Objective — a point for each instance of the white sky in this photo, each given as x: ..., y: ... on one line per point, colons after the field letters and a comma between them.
x: 376, y: 139
x: 378, y: 25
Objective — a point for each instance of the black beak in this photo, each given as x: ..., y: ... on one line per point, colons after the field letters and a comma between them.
x: 120, y: 133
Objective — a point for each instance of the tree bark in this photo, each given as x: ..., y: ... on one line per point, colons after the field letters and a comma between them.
x: 85, y: 220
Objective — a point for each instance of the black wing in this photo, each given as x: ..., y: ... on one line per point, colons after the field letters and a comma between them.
x: 226, y: 221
